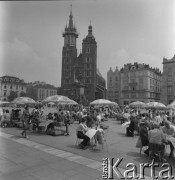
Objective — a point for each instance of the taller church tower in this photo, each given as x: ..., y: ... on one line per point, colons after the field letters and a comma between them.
x: 69, y: 56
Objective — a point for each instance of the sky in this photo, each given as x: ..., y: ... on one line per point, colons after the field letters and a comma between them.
x: 126, y: 31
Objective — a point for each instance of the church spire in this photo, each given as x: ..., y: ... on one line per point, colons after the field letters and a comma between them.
x: 70, y: 18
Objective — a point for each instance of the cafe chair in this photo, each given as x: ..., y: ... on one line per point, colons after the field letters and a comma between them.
x: 78, y: 141
x: 155, y: 149
x: 102, y: 143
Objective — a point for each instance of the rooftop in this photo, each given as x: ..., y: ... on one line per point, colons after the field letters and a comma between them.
x: 137, y: 66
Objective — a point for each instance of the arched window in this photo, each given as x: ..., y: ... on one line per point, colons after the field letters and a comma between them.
x: 87, y: 50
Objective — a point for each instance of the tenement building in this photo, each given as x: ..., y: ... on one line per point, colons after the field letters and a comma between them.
x: 168, y: 81
x: 140, y: 82
x: 113, y: 85
x: 80, y: 69
x: 11, y: 86
x: 40, y: 90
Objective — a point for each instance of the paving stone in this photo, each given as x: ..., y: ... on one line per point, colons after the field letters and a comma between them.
x: 44, y: 172
x: 95, y: 165
x: 84, y: 161
x: 71, y: 172
x: 88, y: 171
x: 80, y: 177
x: 65, y: 154
x: 73, y: 158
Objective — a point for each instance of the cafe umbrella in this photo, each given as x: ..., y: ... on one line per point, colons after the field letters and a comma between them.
x: 23, y: 100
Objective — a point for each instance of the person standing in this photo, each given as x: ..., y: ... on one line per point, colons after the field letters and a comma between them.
x: 67, y: 122
x: 25, y: 121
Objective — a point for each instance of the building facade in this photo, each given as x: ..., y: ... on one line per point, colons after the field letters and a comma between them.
x: 168, y: 81
x: 40, y: 90
x: 140, y: 82
x: 81, y: 69
x: 9, y: 84
x: 113, y: 85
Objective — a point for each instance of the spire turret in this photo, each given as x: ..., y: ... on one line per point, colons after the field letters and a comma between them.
x: 71, y: 18
x: 70, y: 34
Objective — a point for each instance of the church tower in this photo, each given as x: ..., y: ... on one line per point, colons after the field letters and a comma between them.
x: 89, y: 58
x: 69, y: 56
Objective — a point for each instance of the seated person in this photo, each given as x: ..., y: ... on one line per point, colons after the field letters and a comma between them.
x: 49, y: 116
x: 89, y: 122
x: 144, y: 136
x: 81, y: 130
x: 167, y: 129
x: 157, y: 137
x: 130, y: 129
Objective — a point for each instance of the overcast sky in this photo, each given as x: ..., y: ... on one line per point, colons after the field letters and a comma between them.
x: 126, y: 31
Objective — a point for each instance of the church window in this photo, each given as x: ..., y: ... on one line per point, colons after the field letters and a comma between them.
x: 5, y: 93
x: 87, y: 50
x: 87, y: 80
x: 169, y: 72
x: 169, y: 89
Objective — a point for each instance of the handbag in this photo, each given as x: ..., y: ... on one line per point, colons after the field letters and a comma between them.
x: 139, y: 143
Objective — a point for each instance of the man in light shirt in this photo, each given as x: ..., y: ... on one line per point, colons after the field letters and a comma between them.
x: 157, y: 138
x: 168, y: 130
x: 158, y: 119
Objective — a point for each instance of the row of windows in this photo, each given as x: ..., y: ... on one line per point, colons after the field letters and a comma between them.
x: 169, y: 79
x: 5, y: 93
x: 115, y: 79
x: 88, y: 66
x: 169, y: 89
x: 45, y: 93
x: 11, y: 80
x: 11, y: 87
x: 86, y: 73
x: 140, y: 95
x: 155, y: 88
x: 85, y: 80
x: 113, y: 85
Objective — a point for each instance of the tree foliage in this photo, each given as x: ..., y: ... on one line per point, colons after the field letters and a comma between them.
x: 22, y: 94
x: 12, y: 96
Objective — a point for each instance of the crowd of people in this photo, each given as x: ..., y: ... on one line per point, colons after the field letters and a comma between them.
x: 152, y: 126
x: 155, y: 129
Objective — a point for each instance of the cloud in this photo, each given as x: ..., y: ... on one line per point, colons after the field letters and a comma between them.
x: 22, y: 61
x: 3, y: 14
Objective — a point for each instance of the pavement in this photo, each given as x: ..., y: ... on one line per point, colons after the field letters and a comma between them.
x: 46, y: 157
